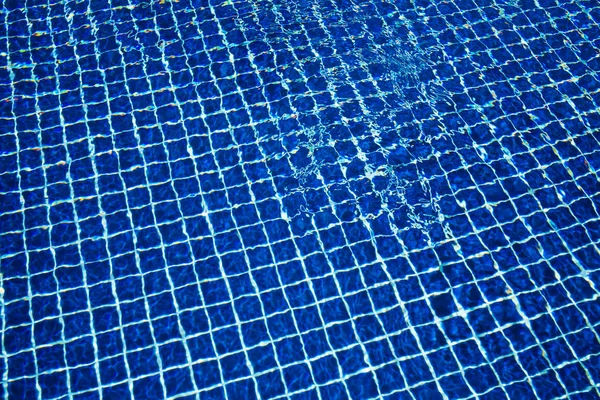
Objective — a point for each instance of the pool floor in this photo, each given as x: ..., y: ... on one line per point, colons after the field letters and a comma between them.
x: 320, y: 199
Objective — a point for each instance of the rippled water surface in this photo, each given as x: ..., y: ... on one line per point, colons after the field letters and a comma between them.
x: 300, y: 199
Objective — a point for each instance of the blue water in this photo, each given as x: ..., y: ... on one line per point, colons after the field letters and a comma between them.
x: 300, y: 199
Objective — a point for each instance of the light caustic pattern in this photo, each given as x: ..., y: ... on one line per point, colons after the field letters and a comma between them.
x: 307, y: 199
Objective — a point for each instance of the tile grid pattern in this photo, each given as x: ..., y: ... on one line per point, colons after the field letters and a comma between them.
x: 265, y: 199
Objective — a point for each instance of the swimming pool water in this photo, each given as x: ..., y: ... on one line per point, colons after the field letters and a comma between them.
x: 300, y: 199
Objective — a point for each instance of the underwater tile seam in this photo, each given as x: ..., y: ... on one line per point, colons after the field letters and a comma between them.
x: 300, y: 199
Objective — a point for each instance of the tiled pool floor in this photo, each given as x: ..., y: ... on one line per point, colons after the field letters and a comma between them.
x: 300, y: 199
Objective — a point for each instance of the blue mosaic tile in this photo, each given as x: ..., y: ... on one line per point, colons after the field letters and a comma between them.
x: 333, y: 199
